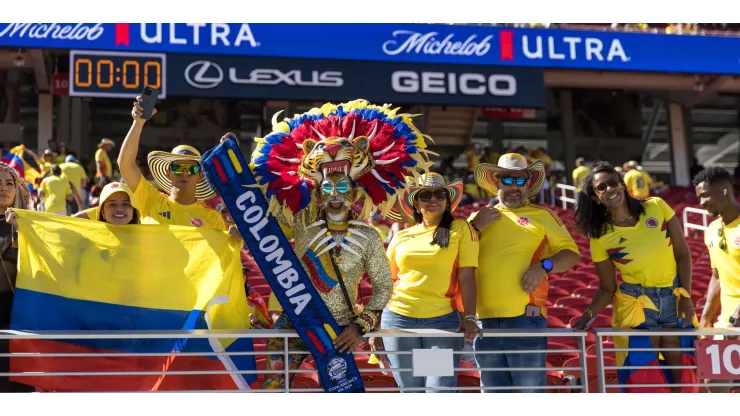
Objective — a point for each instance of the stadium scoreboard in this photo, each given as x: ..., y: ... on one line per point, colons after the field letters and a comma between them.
x: 116, y: 74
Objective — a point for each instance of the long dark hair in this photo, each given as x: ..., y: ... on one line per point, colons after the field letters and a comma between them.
x: 441, y: 235
x: 590, y: 216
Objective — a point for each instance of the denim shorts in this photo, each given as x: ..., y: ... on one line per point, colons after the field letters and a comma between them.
x: 664, y: 300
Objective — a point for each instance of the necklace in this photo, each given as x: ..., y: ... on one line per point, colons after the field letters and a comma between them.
x: 622, y: 221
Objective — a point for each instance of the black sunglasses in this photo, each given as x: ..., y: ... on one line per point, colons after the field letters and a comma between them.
x: 509, y: 180
x: 613, y: 182
x: 426, y: 196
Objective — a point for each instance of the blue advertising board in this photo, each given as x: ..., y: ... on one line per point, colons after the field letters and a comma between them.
x: 425, y: 43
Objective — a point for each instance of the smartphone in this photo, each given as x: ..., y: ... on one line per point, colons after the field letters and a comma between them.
x: 148, y: 99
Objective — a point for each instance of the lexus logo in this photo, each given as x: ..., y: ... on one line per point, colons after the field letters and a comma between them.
x: 196, y: 75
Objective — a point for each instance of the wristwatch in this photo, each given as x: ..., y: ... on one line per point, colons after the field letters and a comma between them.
x: 547, y: 265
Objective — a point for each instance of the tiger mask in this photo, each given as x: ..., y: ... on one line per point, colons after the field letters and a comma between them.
x: 336, y: 154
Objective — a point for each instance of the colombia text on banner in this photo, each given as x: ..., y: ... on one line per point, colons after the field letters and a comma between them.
x: 79, y: 275
x: 228, y: 173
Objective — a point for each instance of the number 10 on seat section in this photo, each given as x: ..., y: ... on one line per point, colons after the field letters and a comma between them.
x: 718, y: 360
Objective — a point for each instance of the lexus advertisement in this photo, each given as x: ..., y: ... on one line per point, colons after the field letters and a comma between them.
x: 334, y: 80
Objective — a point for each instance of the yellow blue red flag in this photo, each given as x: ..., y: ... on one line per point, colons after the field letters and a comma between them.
x: 79, y: 275
x: 27, y: 166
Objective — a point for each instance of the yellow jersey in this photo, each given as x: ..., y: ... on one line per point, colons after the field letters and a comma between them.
x: 106, y: 168
x: 425, y: 275
x: 638, y: 183
x: 643, y: 254
x: 727, y: 263
x: 157, y: 208
x: 74, y: 173
x: 521, y: 238
x: 473, y: 160
x: 579, y: 174
x: 55, y: 191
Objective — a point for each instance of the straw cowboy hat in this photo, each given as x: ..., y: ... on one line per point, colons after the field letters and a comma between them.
x: 103, y: 142
x: 159, y: 164
x: 485, y: 173
x: 427, y: 181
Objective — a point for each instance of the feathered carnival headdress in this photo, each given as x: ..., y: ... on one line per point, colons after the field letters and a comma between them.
x: 376, y: 147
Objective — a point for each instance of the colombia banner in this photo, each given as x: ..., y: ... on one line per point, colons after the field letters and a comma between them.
x: 81, y: 275
x: 228, y: 173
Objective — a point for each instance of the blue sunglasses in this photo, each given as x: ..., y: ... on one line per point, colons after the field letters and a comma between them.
x: 509, y: 180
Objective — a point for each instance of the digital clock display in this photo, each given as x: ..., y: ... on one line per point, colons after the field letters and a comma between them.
x: 116, y: 74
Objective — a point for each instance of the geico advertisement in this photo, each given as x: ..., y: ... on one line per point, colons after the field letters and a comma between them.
x: 311, y: 79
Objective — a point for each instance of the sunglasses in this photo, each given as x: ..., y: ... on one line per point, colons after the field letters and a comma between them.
x: 723, y: 241
x: 510, y: 180
x: 603, y: 186
x: 426, y: 196
x: 178, y: 169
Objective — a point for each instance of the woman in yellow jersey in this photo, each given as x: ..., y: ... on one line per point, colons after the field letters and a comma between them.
x: 117, y: 206
x: 432, y: 264
x: 644, y: 241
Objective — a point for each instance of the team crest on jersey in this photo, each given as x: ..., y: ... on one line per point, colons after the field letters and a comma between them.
x: 196, y: 222
x: 736, y: 241
x: 651, y: 222
x: 523, y: 221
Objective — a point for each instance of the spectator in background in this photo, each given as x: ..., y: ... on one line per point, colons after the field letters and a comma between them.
x: 74, y: 173
x: 473, y: 156
x: 14, y: 193
x: 490, y: 156
x: 519, y: 244
x: 448, y: 168
x: 55, y: 191
x: 619, y: 170
x: 47, y: 159
x: 382, y: 229
x: 579, y: 173
x: 714, y: 191
x: 61, y: 154
x: 117, y: 206
x: 644, y: 241
x: 433, y: 266
x: 695, y: 168
x: 103, y: 165
x: 178, y: 173
x: 637, y: 182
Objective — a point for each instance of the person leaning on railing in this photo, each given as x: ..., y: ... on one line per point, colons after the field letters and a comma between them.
x: 432, y: 264
x: 520, y: 243
x: 644, y: 241
x: 14, y: 193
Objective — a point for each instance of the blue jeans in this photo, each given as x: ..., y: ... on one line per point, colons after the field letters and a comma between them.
x: 512, y: 378
x: 391, y: 320
x: 664, y: 300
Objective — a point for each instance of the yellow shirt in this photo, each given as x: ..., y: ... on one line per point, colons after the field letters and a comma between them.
x: 382, y: 230
x: 579, y: 174
x: 55, y: 191
x: 106, y: 168
x: 473, y: 160
x: 638, y: 183
x: 273, y: 305
x: 643, y: 253
x: 74, y: 173
x: 425, y: 275
x: 157, y: 208
x: 521, y: 238
x: 727, y: 263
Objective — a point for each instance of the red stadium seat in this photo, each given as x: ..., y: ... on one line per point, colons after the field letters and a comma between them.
x: 573, y: 302
x: 591, y: 350
x: 586, y: 292
x: 555, y: 293
x: 556, y: 357
x: 600, y: 321
x: 555, y: 322
x: 563, y: 312
x: 569, y: 285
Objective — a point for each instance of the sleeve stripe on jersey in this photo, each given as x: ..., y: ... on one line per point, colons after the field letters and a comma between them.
x: 473, y: 233
x: 554, y: 215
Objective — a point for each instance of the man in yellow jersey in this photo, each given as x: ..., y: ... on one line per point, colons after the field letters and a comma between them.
x: 103, y: 165
x: 714, y: 189
x: 55, y: 190
x: 179, y: 174
x: 75, y: 173
x: 637, y: 181
x: 579, y: 173
x: 520, y: 243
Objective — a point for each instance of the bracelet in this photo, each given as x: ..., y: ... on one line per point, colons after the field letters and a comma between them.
x: 590, y: 312
x: 471, y: 317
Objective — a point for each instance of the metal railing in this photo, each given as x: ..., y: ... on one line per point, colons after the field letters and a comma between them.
x: 564, y: 198
x: 288, y: 373
x: 601, y: 368
x: 691, y: 226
